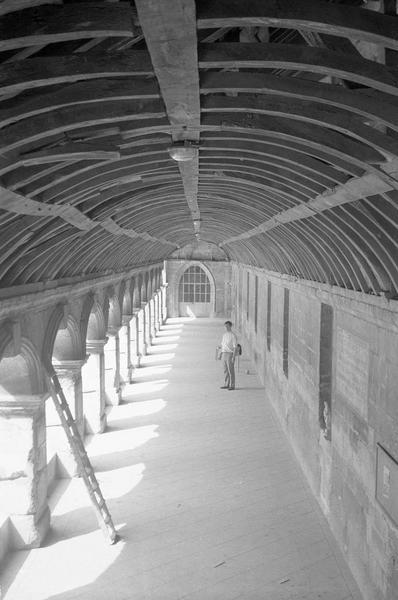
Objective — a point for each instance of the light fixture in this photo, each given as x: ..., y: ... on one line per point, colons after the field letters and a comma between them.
x: 183, y: 151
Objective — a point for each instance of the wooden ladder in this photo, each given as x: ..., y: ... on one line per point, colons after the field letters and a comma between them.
x: 86, y: 470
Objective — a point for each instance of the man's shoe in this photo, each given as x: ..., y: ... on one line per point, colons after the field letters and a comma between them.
x: 231, y: 388
x: 224, y: 387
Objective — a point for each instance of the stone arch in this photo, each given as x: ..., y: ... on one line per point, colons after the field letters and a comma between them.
x: 154, y: 281
x: 136, y: 293
x: 115, y: 312
x: 67, y: 343
x: 21, y: 372
x: 62, y: 340
x: 174, y: 284
x: 127, y: 300
x: 144, y: 287
x: 121, y: 291
x: 96, y: 323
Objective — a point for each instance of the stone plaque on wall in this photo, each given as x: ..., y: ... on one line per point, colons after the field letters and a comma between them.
x: 352, y: 370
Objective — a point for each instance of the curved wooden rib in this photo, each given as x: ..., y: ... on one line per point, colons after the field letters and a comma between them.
x: 368, y: 104
x: 305, y: 15
x: 307, y: 112
x: 299, y: 58
x: 43, y: 72
x: 50, y: 24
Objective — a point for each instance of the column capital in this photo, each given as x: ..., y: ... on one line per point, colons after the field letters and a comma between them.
x: 70, y: 367
x: 96, y: 346
x: 22, y: 406
x: 127, y: 318
x: 114, y: 329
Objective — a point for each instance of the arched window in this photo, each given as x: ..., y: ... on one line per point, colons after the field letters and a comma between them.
x: 194, y: 286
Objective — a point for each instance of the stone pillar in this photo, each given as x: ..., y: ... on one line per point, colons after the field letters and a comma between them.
x: 155, y: 313
x: 150, y: 321
x: 164, y: 303
x: 23, y: 473
x: 113, y: 390
x: 94, y: 388
x: 158, y: 311
x: 70, y: 377
x: 137, y: 340
x: 126, y: 364
x: 144, y: 330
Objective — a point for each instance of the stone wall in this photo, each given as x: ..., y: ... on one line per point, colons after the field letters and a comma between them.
x: 329, y: 362
x: 219, y: 273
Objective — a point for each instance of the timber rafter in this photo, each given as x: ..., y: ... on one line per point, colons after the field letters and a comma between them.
x: 296, y: 169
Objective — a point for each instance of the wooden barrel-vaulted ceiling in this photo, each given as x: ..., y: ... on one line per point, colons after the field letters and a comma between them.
x: 292, y: 105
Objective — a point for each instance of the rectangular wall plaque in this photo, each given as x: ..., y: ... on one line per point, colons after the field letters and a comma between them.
x: 387, y: 483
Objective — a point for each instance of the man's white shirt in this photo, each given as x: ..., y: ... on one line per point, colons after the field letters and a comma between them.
x: 228, y: 342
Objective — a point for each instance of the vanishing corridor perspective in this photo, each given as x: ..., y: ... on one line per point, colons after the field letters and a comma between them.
x: 205, y: 492
x: 166, y: 166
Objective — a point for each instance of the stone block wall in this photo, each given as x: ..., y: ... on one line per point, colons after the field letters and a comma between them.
x: 337, y: 401
x: 219, y: 273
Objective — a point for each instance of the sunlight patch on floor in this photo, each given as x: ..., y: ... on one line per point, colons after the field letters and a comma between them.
x: 142, y: 408
x: 121, y: 440
x: 155, y: 358
x: 70, y: 564
x: 144, y: 387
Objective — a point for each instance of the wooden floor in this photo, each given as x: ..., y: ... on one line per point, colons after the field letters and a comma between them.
x: 205, y: 492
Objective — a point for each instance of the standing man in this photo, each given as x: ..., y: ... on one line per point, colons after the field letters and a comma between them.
x: 228, y: 352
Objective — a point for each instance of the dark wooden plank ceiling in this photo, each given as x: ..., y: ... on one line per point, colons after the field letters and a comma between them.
x: 297, y: 169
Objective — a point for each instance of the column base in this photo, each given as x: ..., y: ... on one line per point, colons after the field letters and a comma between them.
x: 28, y: 531
x: 95, y: 424
x: 113, y: 397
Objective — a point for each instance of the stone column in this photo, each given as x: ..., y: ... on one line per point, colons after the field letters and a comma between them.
x: 113, y: 391
x: 126, y: 364
x: 70, y: 377
x: 158, y: 311
x: 94, y: 388
x: 150, y: 321
x: 23, y: 474
x: 155, y: 313
x: 144, y: 330
x: 164, y: 304
x: 137, y: 340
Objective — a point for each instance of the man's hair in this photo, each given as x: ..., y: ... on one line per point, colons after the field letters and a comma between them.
x: 228, y: 323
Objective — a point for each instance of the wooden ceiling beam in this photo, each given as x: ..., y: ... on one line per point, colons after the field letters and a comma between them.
x: 294, y: 148
x: 217, y: 161
x: 367, y: 104
x: 9, y: 6
x: 304, y: 111
x: 311, y: 136
x: 274, y: 157
x: 301, y: 58
x: 15, y: 203
x: 90, y: 92
x: 352, y: 191
x: 171, y: 37
x: 306, y: 15
x: 49, y: 24
x: 32, y: 132
x: 43, y: 72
